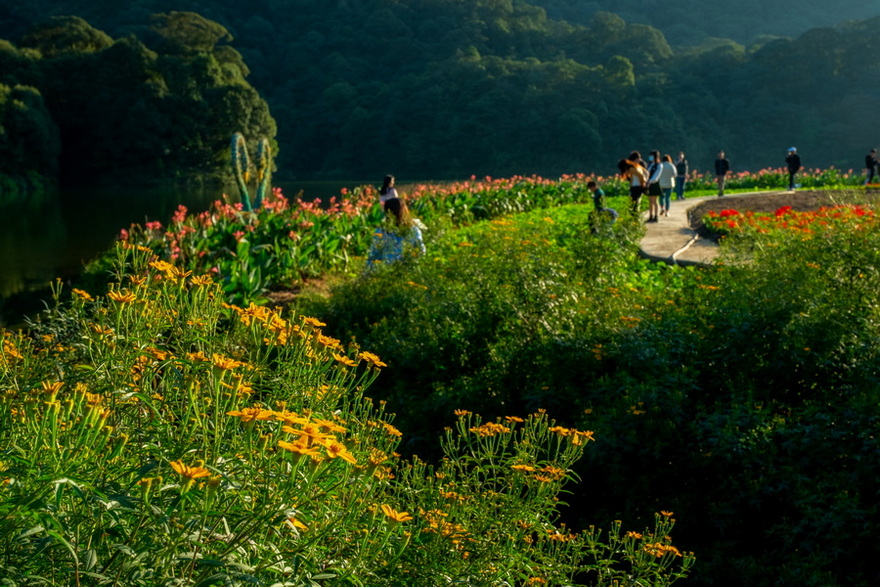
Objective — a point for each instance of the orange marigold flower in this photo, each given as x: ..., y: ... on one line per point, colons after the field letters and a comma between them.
x: 189, y: 473
x: 391, y: 430
x: 226, y: 363
x: 314, y: 322
x: 490, y: 429
x: 251, y: 414
x: 345, y: 360
x: 395, y: 515
x: 83, y: 294
x: 202, y: 280
x: 525, y: 468
x: 338, y: 450
x: 371, y: 359
x: 122, y: 298
x: 299, y: 447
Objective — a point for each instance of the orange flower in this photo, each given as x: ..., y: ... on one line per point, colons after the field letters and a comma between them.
x: 337, y: 449
x: 372, y: 359
x: 122, y: 298
x: 395, y: 515
x: 189, y: 473
x: 299, y: 447
x: 251, y: 414
x: 225, y: 363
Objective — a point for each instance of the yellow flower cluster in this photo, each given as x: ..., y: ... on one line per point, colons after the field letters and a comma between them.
x: 545, y: 474
x: 490, y: 429
x: 169, y: 271
x: 577, y: 437
x: 438, y: 524
x: 312, y: 437
x: 10, y: 351
x: 660, y: 549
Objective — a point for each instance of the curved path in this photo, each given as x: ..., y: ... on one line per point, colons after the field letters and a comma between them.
x: 673, y: 241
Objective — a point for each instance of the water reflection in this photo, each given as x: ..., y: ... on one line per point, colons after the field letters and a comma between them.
x: 55, y: 234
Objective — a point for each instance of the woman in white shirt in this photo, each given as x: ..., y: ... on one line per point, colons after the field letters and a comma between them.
x: 665, y: 177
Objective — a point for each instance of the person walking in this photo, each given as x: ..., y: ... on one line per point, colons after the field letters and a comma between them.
x: 870, y: 166
x: 722, y: 168
x: 637, y: 177
x: 666, y: 179
x: 793, y: 161
x: 654, y: 189
x: 681, y: 172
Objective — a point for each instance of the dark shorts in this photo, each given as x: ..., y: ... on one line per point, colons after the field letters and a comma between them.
x: 636, y: 191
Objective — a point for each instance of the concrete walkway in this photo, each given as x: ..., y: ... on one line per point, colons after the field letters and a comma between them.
x: 672, y: 240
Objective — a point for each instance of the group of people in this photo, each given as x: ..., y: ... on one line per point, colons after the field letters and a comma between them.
x: 657, y: 179
x: 401, y: 234
x: 660, y: 176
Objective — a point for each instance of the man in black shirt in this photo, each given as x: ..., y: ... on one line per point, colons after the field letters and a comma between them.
x: 722, y: 166
x: 870, y: 166
x: 794, y: 165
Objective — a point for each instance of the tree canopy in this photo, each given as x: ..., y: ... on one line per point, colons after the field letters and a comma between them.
x: 440, y: 89
x: 123, y: 109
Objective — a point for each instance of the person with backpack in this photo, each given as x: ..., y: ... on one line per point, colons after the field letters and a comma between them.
x: 637, y: 177
x: 655, y: 190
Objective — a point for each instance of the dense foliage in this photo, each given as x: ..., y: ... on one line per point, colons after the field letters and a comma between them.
x: 155, y: 435
x: 744, y: 394
x: 439, y: 89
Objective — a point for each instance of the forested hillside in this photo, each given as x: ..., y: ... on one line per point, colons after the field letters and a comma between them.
x: 692, y: 22
x: 439, y: 89
x: 161, y: 106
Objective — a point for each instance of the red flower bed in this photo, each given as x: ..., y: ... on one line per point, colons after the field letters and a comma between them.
x: 786, y: 219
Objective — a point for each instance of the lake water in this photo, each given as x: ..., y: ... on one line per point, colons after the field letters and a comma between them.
x: 54, y: 235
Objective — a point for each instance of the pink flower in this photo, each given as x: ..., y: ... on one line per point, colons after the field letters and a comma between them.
x: 179, y: 215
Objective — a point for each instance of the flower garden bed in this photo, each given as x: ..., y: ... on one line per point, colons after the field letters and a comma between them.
x: 770, y: 202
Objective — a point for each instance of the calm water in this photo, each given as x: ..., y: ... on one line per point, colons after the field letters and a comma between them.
x: 49, y: 237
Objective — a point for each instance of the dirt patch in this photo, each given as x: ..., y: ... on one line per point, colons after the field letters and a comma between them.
x: 319, y: 286
x: 801, y: 201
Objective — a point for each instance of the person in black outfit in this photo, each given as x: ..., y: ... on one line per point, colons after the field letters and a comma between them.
x: 870, y: 166
x: 722, y: 166
x: 681, y: 173
x: 794, y: 165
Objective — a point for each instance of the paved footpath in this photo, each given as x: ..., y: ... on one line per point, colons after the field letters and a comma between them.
x: 672, y: 240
